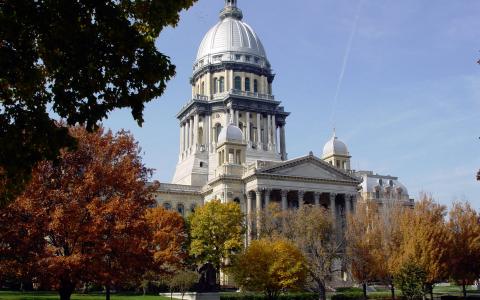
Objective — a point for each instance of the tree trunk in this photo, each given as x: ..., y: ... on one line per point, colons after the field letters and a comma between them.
x: 392, y: 290
x: 364, y: 286
x: 464, y: 289
x: 107, y: 292
x: 66, y: 290
x: 322, y: 293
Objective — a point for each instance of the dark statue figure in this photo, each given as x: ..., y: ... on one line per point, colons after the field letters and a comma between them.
x: 208, y: 279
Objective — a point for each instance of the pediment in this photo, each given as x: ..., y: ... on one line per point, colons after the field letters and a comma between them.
x: 308, y: 167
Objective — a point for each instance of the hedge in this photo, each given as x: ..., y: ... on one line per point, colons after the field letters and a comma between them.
x: 252, y: 296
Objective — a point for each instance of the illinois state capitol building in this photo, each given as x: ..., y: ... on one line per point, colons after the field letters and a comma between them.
x: 233, y: 142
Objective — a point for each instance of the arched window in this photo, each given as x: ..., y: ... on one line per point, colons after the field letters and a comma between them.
x: 193, y: 207
x: 215, y: 85
x: 247, y: 84
x: 202, y: 89
x: 238, y: 83
x: 181, y: 209
x: 255, y: 86
x: 218, y: 129
x: 237, y: 200
x: 377, y: 194
x: 222, y: 84
x: 167, y: 206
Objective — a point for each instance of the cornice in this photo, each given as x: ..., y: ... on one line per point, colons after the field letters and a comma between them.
x: 235, y: 66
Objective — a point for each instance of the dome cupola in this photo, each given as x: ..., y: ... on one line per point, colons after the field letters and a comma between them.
x: 231, y: 41
x: 231, y: 134
x: 336, y: 153
x: 335, y: 147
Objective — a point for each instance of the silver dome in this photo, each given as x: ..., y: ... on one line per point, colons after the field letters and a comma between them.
x: 335, y: 147
x: 231, y: 133
x: 231, y: 39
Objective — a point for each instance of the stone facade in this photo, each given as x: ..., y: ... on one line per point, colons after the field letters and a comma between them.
x: 233, y: 143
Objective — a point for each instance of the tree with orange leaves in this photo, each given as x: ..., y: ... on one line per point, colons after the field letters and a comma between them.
x: 464, y: 245
x: 425, y: 241
x: 83, y: 217
x: 169, y: 238
x: 363, y: 241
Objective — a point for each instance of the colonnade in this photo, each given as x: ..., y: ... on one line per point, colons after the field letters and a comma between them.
x: 339, y: 204
x: 260, y: 133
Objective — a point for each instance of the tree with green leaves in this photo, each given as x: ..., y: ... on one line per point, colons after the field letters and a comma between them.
x: 217, y: 231
x: 410, y: 279
x: 80, y: 60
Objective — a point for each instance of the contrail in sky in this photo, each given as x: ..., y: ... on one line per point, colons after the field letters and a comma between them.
x: 345, y: 61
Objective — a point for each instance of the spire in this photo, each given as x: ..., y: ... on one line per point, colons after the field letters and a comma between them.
x: 231, y: 10
x: 334, y: 133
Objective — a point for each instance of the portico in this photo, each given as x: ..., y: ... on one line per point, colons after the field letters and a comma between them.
x: 294, y: 184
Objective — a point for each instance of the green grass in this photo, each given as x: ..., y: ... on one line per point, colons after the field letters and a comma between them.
x: 451, y: 289
x: 54, y: 296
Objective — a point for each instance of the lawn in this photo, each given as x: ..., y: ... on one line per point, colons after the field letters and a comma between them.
x: 53, y: 296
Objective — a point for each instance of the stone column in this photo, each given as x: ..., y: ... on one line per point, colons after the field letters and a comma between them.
x: 284, y: 200
x: 237, y: 121
x: 248, y: 130
x: 333, y: 209
x: 267, y: 198
x: 274, y: 132
x: 187, y: 135
x: 283, y: 147
x: 258, y: 207
x: 354, y: 203
x: 317, y: 199
x: 269, y: 132
x: 249, y: 217
x: 208, y: 131
x: 348, y: 206
x: 259, y: 132
x: 301, y: 202
x: 195, y: 132
x: 181, y: 138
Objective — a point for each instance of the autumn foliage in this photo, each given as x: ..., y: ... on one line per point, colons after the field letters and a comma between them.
x: 217, y: 232
x: 83, y: 219
x: 169, y: 237
x: 269, y: 266
x: 464, y: 244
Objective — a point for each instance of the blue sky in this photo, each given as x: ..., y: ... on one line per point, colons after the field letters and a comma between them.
x: 409, y: 104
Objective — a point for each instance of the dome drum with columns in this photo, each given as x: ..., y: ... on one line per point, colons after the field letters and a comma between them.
x: 233, y: 138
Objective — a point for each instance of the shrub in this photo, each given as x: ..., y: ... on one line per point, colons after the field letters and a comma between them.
x: 253, y: 296
x: 348, y: 290
x: 410, y: 280
x: 348, y: 296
